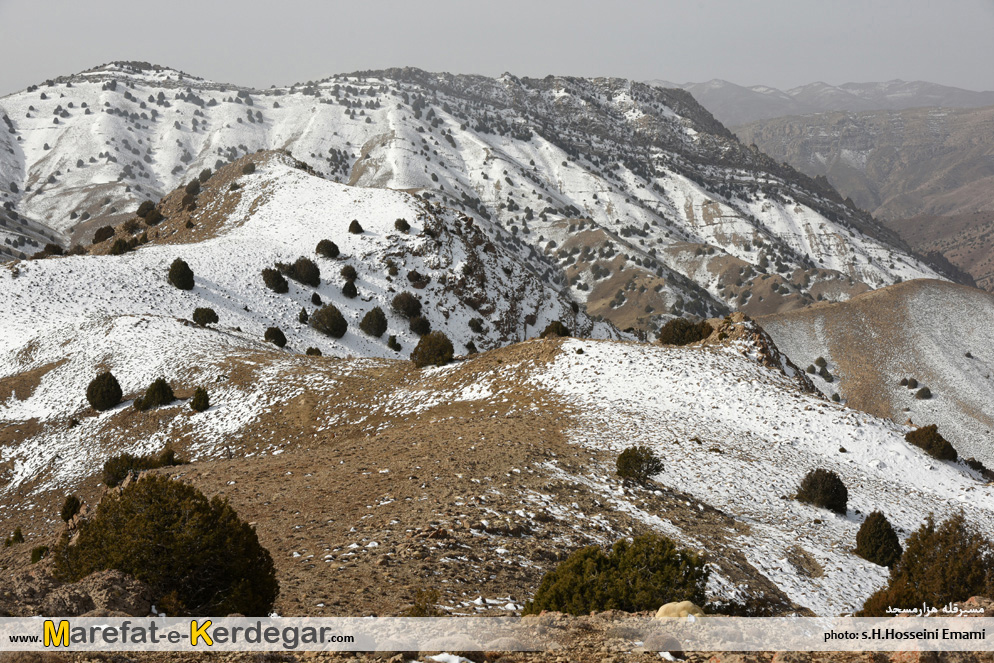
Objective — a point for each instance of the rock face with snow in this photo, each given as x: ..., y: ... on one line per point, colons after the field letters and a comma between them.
x: 646, y: 204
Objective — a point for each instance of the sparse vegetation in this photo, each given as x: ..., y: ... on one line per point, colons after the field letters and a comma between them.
x: 638, y: 464
x: 196, y: 555
x: 329, y: 321
x: 823, y: 488
x: 877, y: 541
x: 928, y: 439
x: 641, y: 575
x: 104, y: 392
x: 434, y: 349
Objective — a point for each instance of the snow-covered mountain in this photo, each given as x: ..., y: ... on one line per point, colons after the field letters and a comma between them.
x: 648, y: 206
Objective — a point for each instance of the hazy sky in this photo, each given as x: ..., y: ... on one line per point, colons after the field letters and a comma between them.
x: 782, y: 43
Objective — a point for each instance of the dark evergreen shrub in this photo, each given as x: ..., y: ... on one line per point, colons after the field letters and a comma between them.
x: 275, y: 336
x: 420, y: 325
x: 923, y: 394
x: 38, y: 553
x: 180, y: 275
x: 433, y: 349
x: 275, y: 281
x: 205, y: 175
x: 313, y: 352
x: 877, y: 541
x: 316, y: 299
x: 836, y: 398
x: 193, y: 188
x: 349, y: 290
x: 820, y: 362
x: 196, y: 555
x: 158, y: 393
x: 70, y: 507
x: 940, y: 565
x: 811, y: 369
x: 117, y: 468
x: 104, y: 392
x: 120, y: 247
x: 302, y: 316
x: 200, y: 401
x: 471, y: 348
x: 476, y: 324
x: 928, y: 439
x: 154, y: 217
x: 402, y: 225
x: 355, y: 228
x: 904, y: 382
x: 406, y: 304
x: 638, y: 464
x: 374, y: 323
x: 145, y: 208
x: 53, y: 250
x: 248, y: 168
x: 638, y: 576
x: 912, y: 383
x: 204, y: 316
x: 823, y: 488
x: 680, y: 331
x: 303, y: 270
x: 327, y: 249
x: 393, y: 344
x: 348, y: 273
x: 329, y: 321
x: 102, y: 234
x: 555, y: 328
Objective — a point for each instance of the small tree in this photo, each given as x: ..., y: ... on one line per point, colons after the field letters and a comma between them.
x: 638, y: 464
x: 355, y: 228
x: 402, y: 225
x: 877, y: 541
x: 102, y: 234
x: 433, y: 349
x: 275, y: 281
x: 348, y: 273
x: 420, y: 325
x: 928, y: 439
x: 200, y: 401
x: 70, y: 507
x: 823, y: 488
x: 349, y: 290
x: 374, y: 323
x: 193, y: 188
x: 406, y: 304
x: 104, y: 392
x: 327, y: 249
x: 145, y: 208
x: 555, y: 328
x: 205, y: 316
x: 275, y: 336
x: 158, y: 393
x: 180, y: 275
x: 329, y: 321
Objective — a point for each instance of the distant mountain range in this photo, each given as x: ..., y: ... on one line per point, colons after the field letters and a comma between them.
x: 736, y: 104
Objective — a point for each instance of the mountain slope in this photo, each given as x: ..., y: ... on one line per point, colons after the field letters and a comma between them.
x: 736, y: 104
x: 938, y: 333
x: 648, y: 204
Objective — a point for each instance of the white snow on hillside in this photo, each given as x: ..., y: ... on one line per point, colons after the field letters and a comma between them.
x: 740, y: 437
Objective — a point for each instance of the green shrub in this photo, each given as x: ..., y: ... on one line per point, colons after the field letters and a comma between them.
x: 204, y: 316
x: 349, y: 290
x: 823, y: 488
x: 420, y: 325
x: 70, y: 507
x: 196, y: 555
x: 476, y: 324
x: 433, y: 349
x: 928, y: 439
x: 402, y: 225
x: 316, y: 299
x: 406, y: 305
x: 393, y: 344
x: 145, y: 208
x: 811, y: 369
x: 102, y: 234
x: 912, y: 383
x: 120, y: 247
x: 154, y: 217
x: 555, y: 328
x: 303, y: 270
x: 877, y: 541
x: 205, y: 175
x: 200, y: 401
x: 680, y: 331
x: 327, y: 249
x: 374, y: 323
x: 158, y: 393
x: 425, y: 604
x: 275, y: 281
x: 38, y: 553
x: 355, y: 228
x: 471, y: 348
x: 15, y: 538
x: 104, y: 392
x: 313, y: 352
x: 275, y: 336
x: 638, y: 576
x: 180, y: 275
x: 940, y: 565
x: 118, y: 467
x: 303, y: 317
x: 248, y: 168
x: 193, y: 188
x: 820, y: 362
x: 348, y: 273
x: 923, y: 394
x: 638, y: 464
x: 329, y: 321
